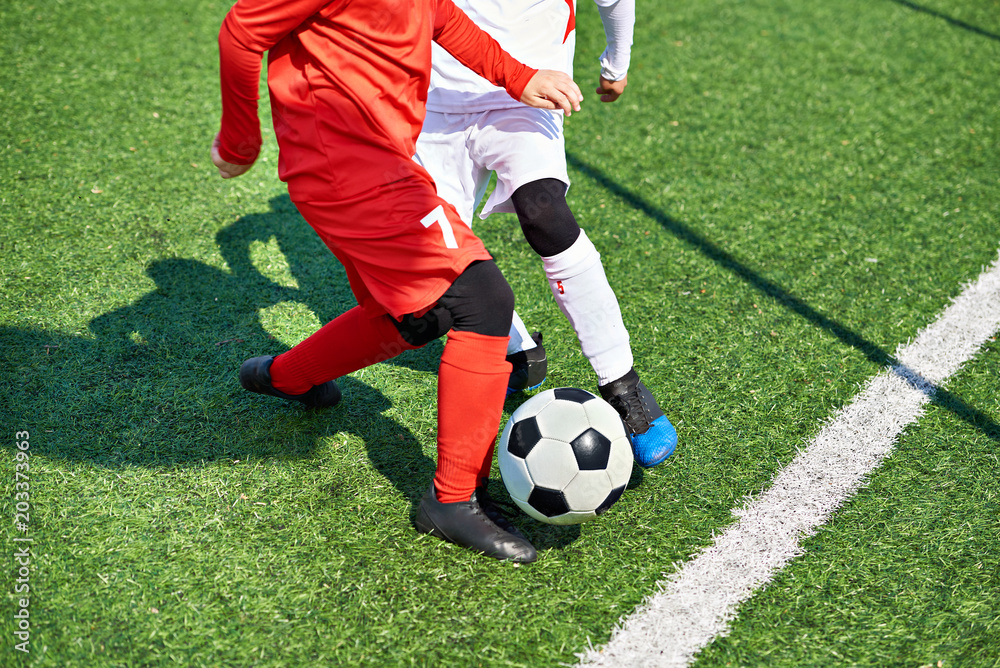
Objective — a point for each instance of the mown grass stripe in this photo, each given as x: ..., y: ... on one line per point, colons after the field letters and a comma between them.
x: 697, y: 602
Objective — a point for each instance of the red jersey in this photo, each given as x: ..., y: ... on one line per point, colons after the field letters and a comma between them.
x: 348, y: 85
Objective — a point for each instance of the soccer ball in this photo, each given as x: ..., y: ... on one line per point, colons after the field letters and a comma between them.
x: 564, y: 456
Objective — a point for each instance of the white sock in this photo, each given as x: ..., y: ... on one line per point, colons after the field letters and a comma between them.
x: 581, y: 289
x: 520, y: 339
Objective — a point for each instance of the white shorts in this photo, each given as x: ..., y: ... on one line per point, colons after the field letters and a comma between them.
x: 521, y: 145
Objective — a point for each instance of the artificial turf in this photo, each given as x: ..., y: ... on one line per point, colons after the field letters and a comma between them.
x: 786, y: 193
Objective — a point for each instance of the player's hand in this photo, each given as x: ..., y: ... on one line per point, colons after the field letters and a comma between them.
x: 612, y: 90
x: 227, y: 170
x: 550, y: 89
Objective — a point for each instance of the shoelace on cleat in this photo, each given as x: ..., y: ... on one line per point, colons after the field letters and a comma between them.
x: 492, y: 510
x: 633, y: 410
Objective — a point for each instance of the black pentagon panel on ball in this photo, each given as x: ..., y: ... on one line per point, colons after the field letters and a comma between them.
x: 592, y: 450
x: 523, y: 437
x: 548, y: 502
x: 608, y: 502
x: 572, y: 394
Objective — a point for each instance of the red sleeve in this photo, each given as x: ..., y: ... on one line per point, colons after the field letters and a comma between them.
x: 251, y: 28
x: 475, y: 49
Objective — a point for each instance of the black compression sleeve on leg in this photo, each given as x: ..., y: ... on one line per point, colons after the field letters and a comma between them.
x: 479, y: 300
x: 545, y: 217
x: 421, y: 331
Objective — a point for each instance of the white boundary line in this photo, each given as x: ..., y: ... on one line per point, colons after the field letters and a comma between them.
x: 695, y: 605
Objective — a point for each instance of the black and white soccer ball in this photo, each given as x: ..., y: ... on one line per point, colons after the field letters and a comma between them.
x: 564, y: 456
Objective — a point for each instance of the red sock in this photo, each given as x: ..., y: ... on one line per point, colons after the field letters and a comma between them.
x: 347, y: 343
x: 472, y: 385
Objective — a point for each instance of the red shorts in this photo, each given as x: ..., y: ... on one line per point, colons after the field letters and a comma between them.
x: 401, y: 244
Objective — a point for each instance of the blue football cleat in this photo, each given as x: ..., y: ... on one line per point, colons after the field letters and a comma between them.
x: 649, y: 431
x: 528, y: 367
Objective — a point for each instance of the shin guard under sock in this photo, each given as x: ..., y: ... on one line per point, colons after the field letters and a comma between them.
x: 472, y: 385
x: 585, y: 297
x: 347, y: 343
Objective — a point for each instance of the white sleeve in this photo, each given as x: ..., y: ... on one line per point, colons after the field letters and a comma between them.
x: 618, y: 17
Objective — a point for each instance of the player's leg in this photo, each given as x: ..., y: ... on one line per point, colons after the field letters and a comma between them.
x: 472, y: 384
x: 362, y: 336
x: 350, y: 342
x: 443, y: 150
x: 581, y: 289
x: 413, y: 258
x: 515, y: 144
x: 526, y: 149
x: 475, y: 314
x: 576, y: 276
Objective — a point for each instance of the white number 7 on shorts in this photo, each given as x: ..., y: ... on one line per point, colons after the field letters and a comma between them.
x: 438, y: 216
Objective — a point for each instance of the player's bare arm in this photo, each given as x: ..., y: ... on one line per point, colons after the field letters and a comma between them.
x: 227, y: 170
x: 550, y: 89
x: 611, y: 90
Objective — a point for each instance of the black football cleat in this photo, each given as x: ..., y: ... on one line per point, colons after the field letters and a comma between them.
x: 494, y: 512
x: 529, y: 367
x: 255, y: 376
x: 650, y: 433
x: 466, y: 523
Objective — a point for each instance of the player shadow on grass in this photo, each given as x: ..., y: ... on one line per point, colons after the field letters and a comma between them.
x: 156, y: 385
x: 322, y: 283
x: 155, y: 382
x: 324, y: 289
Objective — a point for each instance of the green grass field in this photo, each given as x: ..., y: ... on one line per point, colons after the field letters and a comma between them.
x: 786, y: 193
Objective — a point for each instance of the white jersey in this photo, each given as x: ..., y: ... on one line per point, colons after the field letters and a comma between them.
x: 539, y: 33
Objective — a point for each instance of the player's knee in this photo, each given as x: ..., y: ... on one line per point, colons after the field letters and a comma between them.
x: 480, y: 300
x: 419, y: 331
x: 497, y: 305
x: 546, y: 220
